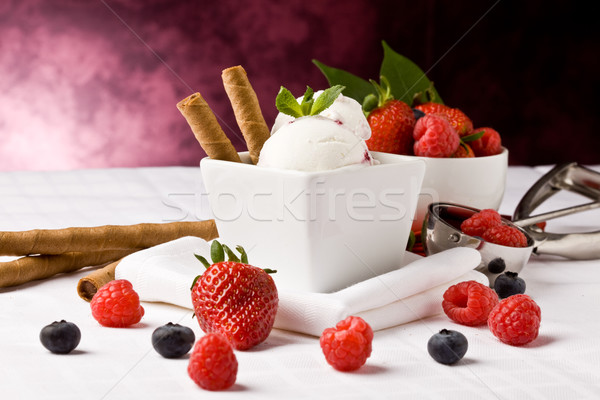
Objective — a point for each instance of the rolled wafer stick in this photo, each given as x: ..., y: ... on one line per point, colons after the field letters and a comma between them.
x: 89, y: 285
x: 30, y: 268
x: 246, y: 109
x: 107, y: 237
x: 206, y: 128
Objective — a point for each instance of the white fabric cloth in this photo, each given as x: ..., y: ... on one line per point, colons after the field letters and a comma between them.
x: 165, y: 273
x: 116, y: 363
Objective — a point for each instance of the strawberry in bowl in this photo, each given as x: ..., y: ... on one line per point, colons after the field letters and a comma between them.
x: 465, y: 164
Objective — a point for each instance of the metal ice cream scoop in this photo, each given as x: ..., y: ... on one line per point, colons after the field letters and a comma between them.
x: 441, y: 227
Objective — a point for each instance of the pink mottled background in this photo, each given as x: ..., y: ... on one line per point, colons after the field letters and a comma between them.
x: 94, y: 83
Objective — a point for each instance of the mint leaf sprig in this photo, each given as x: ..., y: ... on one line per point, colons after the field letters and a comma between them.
x: 286, y: 103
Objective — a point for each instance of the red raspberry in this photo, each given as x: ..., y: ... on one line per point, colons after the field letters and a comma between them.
x: 469, y: 303
x: 487, y: 145
x: 434, y: 137
x: 117, y: 305
x: 213, y: 365
x: 481, y: 221
x: 348, y: 345
x: 505, y: 235
x: 516, y: 320
x: 456, y: 117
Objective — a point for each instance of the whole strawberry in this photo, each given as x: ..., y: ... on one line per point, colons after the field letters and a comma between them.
x: 391, y: 121
x: 458, y: 119
x: 235, y: 299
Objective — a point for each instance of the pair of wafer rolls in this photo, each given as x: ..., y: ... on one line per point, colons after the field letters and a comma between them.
x: 47, y: 252
x: 247, y: 112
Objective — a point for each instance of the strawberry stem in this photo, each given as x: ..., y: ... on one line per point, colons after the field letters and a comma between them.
x: 203, y: 261
x: 230, y: 254
x: 216, y: 252
x: 194, y: 282
x: 429, y: 95
x: 244, y: 255
x: 383, y: 90
x: 369, y: 104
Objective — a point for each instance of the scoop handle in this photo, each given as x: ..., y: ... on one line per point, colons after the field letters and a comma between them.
x: 556, y: 214
x: 572, y: 177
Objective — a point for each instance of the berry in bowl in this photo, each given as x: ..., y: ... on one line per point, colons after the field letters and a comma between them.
x: 465, y: 164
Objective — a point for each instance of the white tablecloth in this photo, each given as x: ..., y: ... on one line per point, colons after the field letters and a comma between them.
x: 563, y: 363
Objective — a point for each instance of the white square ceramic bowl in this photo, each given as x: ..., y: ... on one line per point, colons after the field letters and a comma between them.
x: 321, y: 231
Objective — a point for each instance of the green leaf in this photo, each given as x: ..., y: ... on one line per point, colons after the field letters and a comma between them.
x: 307, y: 101
x: 230, y: 254
x: 243, y: 253
x: 308, y: 95
x: 326, y: 99
x: 355, y: 87
x: 405, y: 77
x: 287, y: 103
x: 472, y: 136
x: 216, y: 252
x: 203, y: 261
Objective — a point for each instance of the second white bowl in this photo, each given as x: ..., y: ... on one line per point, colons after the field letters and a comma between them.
x: 477, y: 182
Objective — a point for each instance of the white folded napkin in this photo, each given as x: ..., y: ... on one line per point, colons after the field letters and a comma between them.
x: 414, y: 291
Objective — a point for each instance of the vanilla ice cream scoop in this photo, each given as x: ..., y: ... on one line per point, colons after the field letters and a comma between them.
x: 344, y: 110
x: 314, y: 143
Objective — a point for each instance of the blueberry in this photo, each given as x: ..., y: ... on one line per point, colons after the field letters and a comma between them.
x: 418, y: 113
x: 509, y: 283
x: 60, y: 337
x: 172, y: 340
x: 496, y: 266
x: 447, y: 346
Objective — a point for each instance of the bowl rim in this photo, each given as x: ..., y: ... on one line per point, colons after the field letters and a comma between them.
x: 385, y: 161
x: 502, y: 154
